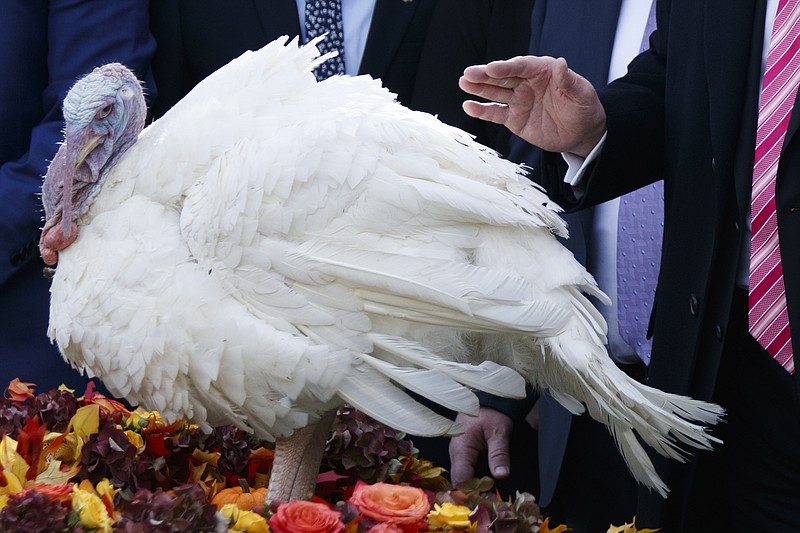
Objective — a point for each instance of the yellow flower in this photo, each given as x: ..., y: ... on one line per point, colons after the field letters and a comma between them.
x: 141, y: 419
x: 247, y: 521
x: 545, y: 527
x: 449, y: 515
x: 430, y: 476
x: 64, y: 388
x: 86, y: 421
x: 13, y: 468
x: 629, y: 528
x: 136, y: 439
x: 105, y: 489
x: 91, y: 510
x: 230, y: 511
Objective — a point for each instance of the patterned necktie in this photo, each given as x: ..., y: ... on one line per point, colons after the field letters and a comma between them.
x: 639, y: 232
x: 768, y: 316
x: 325, y: 16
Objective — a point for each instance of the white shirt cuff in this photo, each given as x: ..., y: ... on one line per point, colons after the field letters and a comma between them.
x: 577, y: 164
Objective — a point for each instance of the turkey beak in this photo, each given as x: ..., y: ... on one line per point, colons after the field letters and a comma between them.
x: 90, y: 144
x: 79, y: 145
x: 60, y: 229
x: 78, y: 148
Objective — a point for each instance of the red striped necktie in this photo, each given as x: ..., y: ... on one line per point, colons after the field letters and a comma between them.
x: 768, y: 316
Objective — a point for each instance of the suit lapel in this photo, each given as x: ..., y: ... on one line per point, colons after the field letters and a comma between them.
x: 590, y: 55
x: 276, y: 17
x: 389, y: 23
x: 794, y: 124
x: 727, y: 76
x: 733, y: 67
x: 593, y: 53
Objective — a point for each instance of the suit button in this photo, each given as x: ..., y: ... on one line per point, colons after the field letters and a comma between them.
x: 693, y: 306
x: 736, y: 226
x: 718, y: 331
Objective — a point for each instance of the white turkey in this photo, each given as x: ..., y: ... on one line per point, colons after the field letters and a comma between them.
x: 274, y: 247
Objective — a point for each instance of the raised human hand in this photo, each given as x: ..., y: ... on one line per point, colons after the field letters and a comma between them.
x: 540, y: 99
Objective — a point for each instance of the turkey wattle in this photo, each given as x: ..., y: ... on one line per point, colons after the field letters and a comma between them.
x: 274, y: 246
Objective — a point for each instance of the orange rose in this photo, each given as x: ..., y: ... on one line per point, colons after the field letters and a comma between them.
x: 305, y: 517
x: 399, y: 504
x: 385, y: 527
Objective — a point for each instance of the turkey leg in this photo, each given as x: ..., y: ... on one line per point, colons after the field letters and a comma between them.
x: 297, y: 461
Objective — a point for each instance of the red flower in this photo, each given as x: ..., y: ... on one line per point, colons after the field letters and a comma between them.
x: 29, y: 445
x: 305, y: 517
x: 107, y: 405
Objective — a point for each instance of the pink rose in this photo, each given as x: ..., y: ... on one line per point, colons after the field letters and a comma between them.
x: 398, y: 504
x: 305, y: 517
x: 385, y: 527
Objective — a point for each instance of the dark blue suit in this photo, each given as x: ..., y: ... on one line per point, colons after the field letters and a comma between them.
x: 687, y: 112
x: 583, y: 479
x: 44, y: 47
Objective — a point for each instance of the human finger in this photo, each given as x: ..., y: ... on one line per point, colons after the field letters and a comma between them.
x: 487, y: 91
x: 518, y: 68
x: 499, y: 456
x: 491, y: 112
x: 463, y: 458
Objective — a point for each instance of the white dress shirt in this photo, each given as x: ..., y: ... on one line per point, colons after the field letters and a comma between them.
x: 601, y: 258
x: 602, y: 255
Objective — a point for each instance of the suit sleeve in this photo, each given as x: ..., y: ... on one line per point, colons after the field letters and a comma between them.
x: 169, y: 62
x: 80, y: 36
x: 632, y: 155
x: 516, y: 410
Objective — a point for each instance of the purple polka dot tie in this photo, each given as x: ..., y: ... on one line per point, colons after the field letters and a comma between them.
x: 639, y: 234
x: 325, y: 16
x: 640, y: 229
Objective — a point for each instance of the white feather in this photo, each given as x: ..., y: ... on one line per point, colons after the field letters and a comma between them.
x: 436, y: 386
x: 273, y: 247
x: 371, y: 393
x: 486, y: 376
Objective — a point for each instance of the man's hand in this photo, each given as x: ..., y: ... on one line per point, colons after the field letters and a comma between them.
x: 539, y: 99
x: 490, y: 431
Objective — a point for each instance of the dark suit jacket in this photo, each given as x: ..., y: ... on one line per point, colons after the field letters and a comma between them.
x: 45, y: 46
x: 196, y: 37
x: 464, y: 33
x: 698, y: 132
x: 583, y: 33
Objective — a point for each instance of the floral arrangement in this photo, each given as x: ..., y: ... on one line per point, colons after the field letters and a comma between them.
x: 88, y: 464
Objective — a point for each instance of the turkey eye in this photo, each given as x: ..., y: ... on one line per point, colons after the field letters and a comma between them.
x: 103, y: 113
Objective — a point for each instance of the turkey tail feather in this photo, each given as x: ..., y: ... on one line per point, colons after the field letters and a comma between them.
x: 633, y: 411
